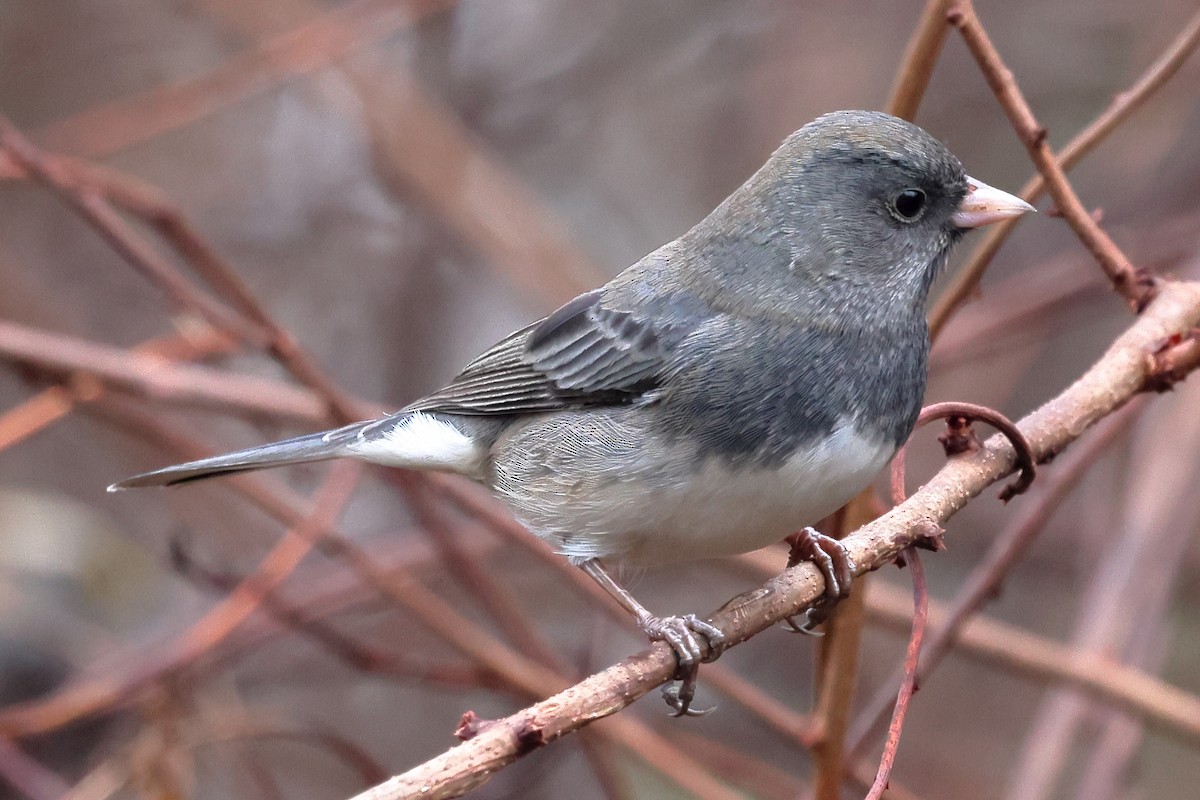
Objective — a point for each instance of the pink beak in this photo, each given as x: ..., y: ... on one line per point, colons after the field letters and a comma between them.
x: 985, y: 204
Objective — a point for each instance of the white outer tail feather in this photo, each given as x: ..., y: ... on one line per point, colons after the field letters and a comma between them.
x: 413, y: 440
x: 421, y: 441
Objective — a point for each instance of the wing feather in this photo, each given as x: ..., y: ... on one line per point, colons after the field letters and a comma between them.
x: 583, y: 354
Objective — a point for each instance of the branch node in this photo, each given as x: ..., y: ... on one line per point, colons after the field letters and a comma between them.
x: 959, y: 437
x: 471, y: 725
x: 1172, y: 360
x: 930, y: 536
x: 1143, y: 287
x: 529, y: 737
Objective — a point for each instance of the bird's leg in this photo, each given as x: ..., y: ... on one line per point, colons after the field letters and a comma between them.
x: 833, y: 560
x: 679, y: 632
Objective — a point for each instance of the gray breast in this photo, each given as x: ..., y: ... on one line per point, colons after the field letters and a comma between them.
x: 751, y: 392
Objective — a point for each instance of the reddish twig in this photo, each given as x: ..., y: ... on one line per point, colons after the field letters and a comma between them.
x: 1136, y: 285
x: 253, y: 324
x: 966, y: 279
x: 912, y: 658
x: 120, y: 236
x: 421, y: 145
x: 328, y: 741
x: 838, y: 657
x: 920, y: 56
x: 90, y: 697
x: 493, y: 599
x: 28, y: 776
x: 985, y: 579
x: 55, y: 403
x: 756, y: 776
x: 960, y: 438
x: 147, y: 373
x: 1000, y: 646
x: 359, y: 656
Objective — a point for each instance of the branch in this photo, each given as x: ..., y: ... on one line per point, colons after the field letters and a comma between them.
x: 1119, y: 375
x: 1136, y: 285
x: 920, y: 57
x: 909, y: 686
x: 966, y: 279
x: 158, y: 376
x: 986, y: 578
x: 998, y: 645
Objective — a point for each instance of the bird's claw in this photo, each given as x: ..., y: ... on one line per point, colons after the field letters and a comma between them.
x: 681, y: 633
x: 680, y: 692
x: 837, y: 568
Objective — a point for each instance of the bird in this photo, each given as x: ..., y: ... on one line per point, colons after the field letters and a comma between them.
x: 730, y: 388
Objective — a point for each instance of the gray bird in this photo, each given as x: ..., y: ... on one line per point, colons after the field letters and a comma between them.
x: 744, y: 380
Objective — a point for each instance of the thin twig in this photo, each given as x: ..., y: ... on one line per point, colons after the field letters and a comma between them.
x: 839, y: 650
x: 985, y: 579
x: 152, y: 375
x: 359, y: 656
x: 86, y: 698
x: 920, y: 57
x: 966, y: 279
x: 120, y: 236
x: 911, y: 658
x: 1136, y: 285
x: 739, y: 767
x: 251, y: 322
x: 421, y: 145
x: 55, y: 403
x: 1001, y: 646
x: 28, y: 776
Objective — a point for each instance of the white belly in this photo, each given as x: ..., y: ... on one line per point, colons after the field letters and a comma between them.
x: 722, y: 512
x: 656, y: 511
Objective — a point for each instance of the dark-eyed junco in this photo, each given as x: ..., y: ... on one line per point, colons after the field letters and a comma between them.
x: 737, y: 383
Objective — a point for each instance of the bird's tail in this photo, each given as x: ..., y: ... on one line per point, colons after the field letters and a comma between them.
x: 302, y: 449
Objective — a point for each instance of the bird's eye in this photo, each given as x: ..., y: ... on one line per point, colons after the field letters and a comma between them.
x: 909, y: 204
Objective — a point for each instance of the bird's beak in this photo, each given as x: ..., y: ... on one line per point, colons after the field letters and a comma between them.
x: 985, y: 204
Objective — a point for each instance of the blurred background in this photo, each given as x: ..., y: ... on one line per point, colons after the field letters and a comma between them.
x: 402, y: 183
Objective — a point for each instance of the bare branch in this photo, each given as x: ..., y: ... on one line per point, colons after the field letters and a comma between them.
x: 1136, y: 285
x: 966, y: 279
x: 155, y: 376
x: 920, y: 57
x: 998, y: 645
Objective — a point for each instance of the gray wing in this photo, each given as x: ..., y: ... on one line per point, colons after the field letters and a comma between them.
x: 582, y: 354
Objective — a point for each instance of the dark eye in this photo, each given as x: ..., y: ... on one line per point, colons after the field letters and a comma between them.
x: 909, y: 204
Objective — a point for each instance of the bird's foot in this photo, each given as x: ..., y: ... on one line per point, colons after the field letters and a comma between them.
x: 833, y: 560
x: 681, y: 633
